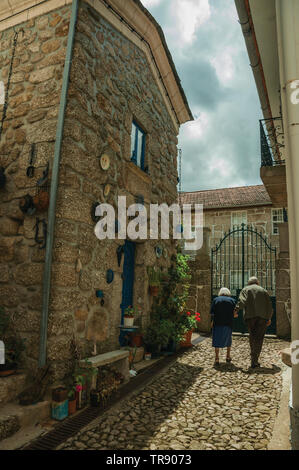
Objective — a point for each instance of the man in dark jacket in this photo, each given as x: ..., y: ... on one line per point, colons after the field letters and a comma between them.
x: 258, y: 312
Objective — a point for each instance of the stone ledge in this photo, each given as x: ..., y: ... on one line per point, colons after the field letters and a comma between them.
x: 104, y: 359
x: 11, y: 386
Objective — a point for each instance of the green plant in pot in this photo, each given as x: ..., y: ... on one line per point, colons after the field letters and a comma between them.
x: 157, y: 335
x: 170, y: 304
x: 129, y: 314
x: 14, y: 345
x: 154, y: 279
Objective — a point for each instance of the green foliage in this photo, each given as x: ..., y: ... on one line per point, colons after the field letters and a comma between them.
x: 154, y: 276
x: 131, y: 311
x: 168, y: 320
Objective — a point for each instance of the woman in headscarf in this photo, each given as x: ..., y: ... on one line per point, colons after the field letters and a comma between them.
x: 222, y: 313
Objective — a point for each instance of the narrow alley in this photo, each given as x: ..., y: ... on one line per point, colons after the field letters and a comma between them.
x: 193, y: 406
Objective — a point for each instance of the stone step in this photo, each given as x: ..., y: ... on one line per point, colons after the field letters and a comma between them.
x: 11, y: 386
x: 16, y: 418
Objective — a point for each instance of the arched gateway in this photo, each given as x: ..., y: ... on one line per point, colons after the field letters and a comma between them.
x: 243, y: 252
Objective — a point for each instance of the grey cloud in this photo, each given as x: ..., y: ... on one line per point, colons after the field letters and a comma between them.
x: 232, y: 107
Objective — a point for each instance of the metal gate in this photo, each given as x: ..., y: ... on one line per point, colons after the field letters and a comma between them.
x: 243, y: 252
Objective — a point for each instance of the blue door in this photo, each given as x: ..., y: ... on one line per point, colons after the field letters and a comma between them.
x: 128, y: 277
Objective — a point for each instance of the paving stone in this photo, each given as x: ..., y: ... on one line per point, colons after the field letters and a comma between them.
x: 202, y: 408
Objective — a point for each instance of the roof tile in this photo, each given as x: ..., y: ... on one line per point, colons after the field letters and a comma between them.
x: 228, y: 197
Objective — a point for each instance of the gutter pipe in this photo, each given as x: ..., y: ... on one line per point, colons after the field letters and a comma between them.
x: 54, y: 187
x: 244, y: 13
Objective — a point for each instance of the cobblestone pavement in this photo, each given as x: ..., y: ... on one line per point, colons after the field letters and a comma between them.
x: 194, y: 406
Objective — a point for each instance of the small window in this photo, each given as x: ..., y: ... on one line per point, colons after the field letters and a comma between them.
x: 238, y: 218
x: 137, y: 145
x: 277, y: 218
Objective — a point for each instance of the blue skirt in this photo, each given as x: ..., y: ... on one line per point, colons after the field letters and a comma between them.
x: 222, y: 337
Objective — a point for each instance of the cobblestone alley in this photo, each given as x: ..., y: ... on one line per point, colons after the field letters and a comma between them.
x: 194, y: 406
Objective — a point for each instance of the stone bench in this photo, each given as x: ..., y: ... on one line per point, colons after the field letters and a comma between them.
x: 119, y: 358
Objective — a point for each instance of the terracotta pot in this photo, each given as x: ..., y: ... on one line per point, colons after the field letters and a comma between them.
x: 59, y: 394
x: 154, y: 290
x: 136, y: 340
x: 72, y: 406
x: 186, y: 343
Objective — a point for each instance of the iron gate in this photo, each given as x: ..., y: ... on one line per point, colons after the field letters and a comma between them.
x: 243, y: 252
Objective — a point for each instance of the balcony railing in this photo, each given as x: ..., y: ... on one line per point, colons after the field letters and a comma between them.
x: 272, y: 141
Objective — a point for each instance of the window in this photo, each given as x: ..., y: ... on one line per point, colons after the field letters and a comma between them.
x: 137, y: 145
x: 236, y: 279
x: 238, y: 218
x: 277, y: 218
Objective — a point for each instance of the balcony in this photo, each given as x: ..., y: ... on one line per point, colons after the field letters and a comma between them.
x: 272, y: 171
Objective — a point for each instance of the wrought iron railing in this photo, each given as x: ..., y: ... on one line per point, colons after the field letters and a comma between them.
x: 272, y: 141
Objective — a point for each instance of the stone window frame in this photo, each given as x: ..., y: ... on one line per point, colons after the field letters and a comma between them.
x: 138, y: 129
x: 244, y: 220
x: 274, y: 223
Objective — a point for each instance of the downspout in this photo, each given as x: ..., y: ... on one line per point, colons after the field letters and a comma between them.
x: 246, y: 21
x: 287, y: 27
x: 54, y: 187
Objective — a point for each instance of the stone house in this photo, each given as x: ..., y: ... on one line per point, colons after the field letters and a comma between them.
x: 225, y: 210
x: 94, y: 99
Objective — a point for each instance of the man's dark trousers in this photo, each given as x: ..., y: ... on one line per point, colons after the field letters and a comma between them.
x: 257, y: 328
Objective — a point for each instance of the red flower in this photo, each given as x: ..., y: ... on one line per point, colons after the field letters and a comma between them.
x: 188, y: 313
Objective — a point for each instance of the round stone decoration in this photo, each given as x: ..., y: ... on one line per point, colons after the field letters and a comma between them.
x: 105, y: 161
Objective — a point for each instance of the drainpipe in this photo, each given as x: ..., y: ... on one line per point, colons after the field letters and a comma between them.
x: 247, y: 25
x: 287, y: 27
x: 54, y: 186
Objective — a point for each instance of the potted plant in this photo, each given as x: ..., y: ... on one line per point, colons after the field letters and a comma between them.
x: 189, y: 322
x: 129, y: 314
x: 154, y: 278
x: 157, y: 336
x: 59, y: 394
x: 13, y: 345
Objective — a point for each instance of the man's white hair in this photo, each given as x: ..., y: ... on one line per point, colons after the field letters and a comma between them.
x: 253, y: 280
x: 224, y: 291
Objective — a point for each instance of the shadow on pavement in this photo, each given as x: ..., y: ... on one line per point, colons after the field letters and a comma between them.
x: 263, y: 370
x: 228, y: 368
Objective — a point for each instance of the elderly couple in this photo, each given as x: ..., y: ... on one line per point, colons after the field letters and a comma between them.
x: 257, y: 306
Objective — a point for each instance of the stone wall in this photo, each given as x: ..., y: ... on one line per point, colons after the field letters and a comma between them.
x: 111, y: 84
x: 283, y: 285
x: 199, y: 299
x: 31, y: 118
x: 220, y: 221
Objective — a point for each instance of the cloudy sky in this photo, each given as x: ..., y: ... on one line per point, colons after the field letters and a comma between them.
x: 221, y: 147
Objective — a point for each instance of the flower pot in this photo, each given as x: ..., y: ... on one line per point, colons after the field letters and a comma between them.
x: 72, y: 406
x: 186, y: 342
x: 154, y: 290
x: 136, y: 340
x: 59, y: 394
x: 128, y: 321
x: 147, y: 356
